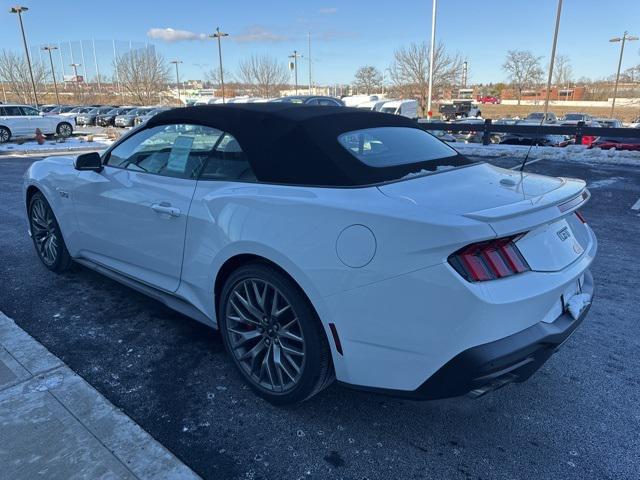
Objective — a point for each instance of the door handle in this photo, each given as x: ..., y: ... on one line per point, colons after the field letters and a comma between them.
x: 165, y: 207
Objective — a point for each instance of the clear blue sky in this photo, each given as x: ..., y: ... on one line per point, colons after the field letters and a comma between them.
x: 345, y: 35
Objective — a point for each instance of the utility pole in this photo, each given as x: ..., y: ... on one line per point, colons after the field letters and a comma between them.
x: 176, y: 62
x: 432, y: 47
x: 295, y: 57
x: 19, y: 11
x: 219, y: 35
x: 309, y: 59
x: 625, y: 38
x: 553, y: 59
x: 48, y: 49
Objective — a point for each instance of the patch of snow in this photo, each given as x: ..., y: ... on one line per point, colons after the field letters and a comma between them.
x: 570, y: 153
x: 70, y: 144
x: 605, y: 182
x: 578, y: 303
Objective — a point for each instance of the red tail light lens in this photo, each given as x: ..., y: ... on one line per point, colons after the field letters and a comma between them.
x: 490, y: 260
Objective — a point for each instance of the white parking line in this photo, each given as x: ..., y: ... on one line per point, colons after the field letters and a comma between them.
x: 636, y: 206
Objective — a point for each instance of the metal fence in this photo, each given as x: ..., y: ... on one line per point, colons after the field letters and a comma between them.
x: 577, y: 131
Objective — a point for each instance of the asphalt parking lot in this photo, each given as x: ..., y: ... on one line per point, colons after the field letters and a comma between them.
x: 577, y: 418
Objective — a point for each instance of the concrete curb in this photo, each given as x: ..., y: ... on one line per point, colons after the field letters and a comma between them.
x: 53, y: 424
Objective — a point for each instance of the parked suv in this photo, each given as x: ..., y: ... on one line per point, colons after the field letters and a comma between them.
x: 22, y: 120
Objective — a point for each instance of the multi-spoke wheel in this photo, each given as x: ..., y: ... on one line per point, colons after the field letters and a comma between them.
x: 46, y: 235
x: 5, y: 134
x: 273, y: 334
x: 64, y: 129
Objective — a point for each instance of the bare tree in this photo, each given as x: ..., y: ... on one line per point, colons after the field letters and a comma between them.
x: 410, y: 70
x: 143, y: 74
x: 213, y: 76
x: 14, y: 74
x: 562, y: 71
x: 524, y: 70
x: 264, y: 75
x: 367, y: 79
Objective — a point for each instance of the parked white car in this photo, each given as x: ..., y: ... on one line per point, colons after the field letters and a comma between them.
x: 328, y: 243
x: 22, y: 121
x: 406, y: 108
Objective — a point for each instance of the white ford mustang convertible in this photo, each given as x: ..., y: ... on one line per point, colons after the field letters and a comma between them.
x: 328, y: 243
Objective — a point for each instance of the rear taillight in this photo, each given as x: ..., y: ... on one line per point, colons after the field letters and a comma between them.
x: 489, y: 260
x: 580, y: 216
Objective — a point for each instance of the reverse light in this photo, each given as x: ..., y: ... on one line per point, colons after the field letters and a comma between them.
x: 489, y: 260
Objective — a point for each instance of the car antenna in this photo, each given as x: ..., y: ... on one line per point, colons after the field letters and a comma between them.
x: 526, y: 157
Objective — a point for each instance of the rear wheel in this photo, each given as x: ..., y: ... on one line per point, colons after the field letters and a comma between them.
x: 273, y: 335
x: 64, y: 129
x: 46, y: 235
x: 5, y: 134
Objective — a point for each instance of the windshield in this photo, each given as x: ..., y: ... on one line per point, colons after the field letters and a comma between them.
x: 573, y: 116
x: 388, y: 109
x: 393, y: 146
x: 535, y: 116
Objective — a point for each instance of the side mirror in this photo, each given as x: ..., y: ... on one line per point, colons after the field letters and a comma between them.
x: 89, y: 161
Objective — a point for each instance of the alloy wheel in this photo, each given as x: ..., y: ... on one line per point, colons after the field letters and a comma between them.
x: 64, y: 130
x: 43, y: 229
x: 4, y: 135
x: 265, y: 335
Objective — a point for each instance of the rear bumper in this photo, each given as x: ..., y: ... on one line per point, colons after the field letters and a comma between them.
x: 489, y: 366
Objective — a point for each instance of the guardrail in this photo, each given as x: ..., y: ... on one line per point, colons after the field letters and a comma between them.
x: 488, y: 127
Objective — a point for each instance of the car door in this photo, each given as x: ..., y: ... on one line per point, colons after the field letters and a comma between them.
x: 35, y: 120
x: 15, y: 120
x: 132, y: 215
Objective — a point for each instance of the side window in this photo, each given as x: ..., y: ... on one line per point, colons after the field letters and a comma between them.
x: 312, y: 101
x: 327, y: 102
x: 13, y: 111
x: 228, y: 162
x: 169, y: 150
x: 30, y: 111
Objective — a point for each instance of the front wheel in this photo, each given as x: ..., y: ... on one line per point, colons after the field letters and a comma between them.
x: 46, y: 235
x: 273, y: 335
x: 64, y: 130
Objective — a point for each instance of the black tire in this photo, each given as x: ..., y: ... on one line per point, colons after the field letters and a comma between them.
x: 52, y: 253
x: 64, y: 130
x: 5, y: 134
x: 316, y: 371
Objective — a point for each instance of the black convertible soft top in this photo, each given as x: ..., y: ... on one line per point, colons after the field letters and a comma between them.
x: 298, y: 144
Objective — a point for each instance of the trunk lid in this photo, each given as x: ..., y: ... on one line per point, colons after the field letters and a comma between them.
x: 510, y: 202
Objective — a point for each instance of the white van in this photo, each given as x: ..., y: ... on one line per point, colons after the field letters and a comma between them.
x: 357, y: 100
x: 406, y: 108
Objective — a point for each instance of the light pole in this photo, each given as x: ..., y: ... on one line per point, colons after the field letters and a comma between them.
x: 219, y: 35
x: 309, y: 60
x: 19, y: 10
x: 432, y: 48
x: 176, y: 62
x: 49, y: 48
x: 295, y: 55
x: 552, y: 61
x: 625, y: 38
x: 75, y: 77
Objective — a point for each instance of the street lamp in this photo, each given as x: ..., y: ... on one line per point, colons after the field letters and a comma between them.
x: 75, y: 78
x: 295, y: 55
x: 219, y: 35
x: 19, y: 10
x: 625, y: 38
x: 432, y: 48
x: 49, y: 48
x: 176, y: 62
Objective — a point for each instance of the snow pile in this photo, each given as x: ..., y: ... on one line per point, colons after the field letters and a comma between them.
x: 577, y: 153
x: 578, y: 303
x: 70, y: 144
